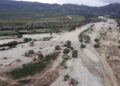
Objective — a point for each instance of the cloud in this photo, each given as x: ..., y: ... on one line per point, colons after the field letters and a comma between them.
x: 111, y: 1
x: 85, y: 2
x: 43, y: 1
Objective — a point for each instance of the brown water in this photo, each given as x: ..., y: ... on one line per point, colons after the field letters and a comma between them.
x: 89, y: 71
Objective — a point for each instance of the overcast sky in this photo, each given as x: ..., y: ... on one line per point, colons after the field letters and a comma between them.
x: 85, y: 2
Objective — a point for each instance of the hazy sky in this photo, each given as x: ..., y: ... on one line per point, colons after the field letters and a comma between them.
x: 85, y: 2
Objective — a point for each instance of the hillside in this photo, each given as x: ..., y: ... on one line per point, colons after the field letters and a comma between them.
x: 33, y: 17
x: 18, y: 9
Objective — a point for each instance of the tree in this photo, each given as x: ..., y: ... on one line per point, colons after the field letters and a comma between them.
x: 97, y: 40
x: 12, y: 44
x: 40, y: 56
x: 27, y: 39
x: 74, y: 53
x: 87, y: 38
x: 66, y: 51
x: 68, y: 42
x: 81, y: 40
x: 96, y: 45
x: 30, y: 52
x: 57, y: 47
x: 83, y: 46
x: 66, y: 77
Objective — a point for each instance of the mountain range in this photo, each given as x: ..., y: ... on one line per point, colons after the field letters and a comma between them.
x: 12, y: 9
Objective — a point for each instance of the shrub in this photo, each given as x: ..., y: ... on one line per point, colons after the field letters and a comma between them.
x: 30, y: 52
x: 119, y: 41
x: 66, y: 77
x: 71, y: 48
x: 57, y: 47
x: 12, y: 44
x: 66, y: 51
x: 2, y: 49
x: 68, y: 42
x: 40, y: 56
x: 32, y: 68
x: 81, y: 39
x: 27, y: 39
x: 66, y: 57
x: 83, y: 46
x: 5, y: 58
x: 97, y: 40
x: 68, y: 45
x: 65, y: 67
x: 87, y: 39
x: 96, y: 45
x: 73, y: 82
x: 25, y: 81
x: 74, y: 53
x: 118, y: 46
x: 28, y: 69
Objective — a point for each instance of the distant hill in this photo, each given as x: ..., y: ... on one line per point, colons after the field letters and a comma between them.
x: 23, y: 10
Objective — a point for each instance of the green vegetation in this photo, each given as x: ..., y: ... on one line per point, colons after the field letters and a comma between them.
x: 68, y: 45
x: 83, y: 46
x: 73, y: 82
x: 84, y: 38
x: 30, y: 51
x: 97, y: 45
x: 32, y: 68
x: 7, y: 32
x: 81, y: 39
x: 66, y: 51
x: 119, y: 41
x: 74, y: 53
x: 57, y: 47
x: 11, y: 44
x: 97, y: 40
x: 68, y: 42
x: 28, y: 69
x: 25, y: 81
x: 40, y: 56
x: 46, y: 24
x: 66, y: 77
x: 102, y: 35
x: 27, y: 39
x: 119, y: 47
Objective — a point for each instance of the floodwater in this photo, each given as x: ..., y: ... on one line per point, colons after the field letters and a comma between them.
x: 89, y: 69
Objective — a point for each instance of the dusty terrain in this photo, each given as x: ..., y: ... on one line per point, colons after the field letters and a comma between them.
x: 90, y: 68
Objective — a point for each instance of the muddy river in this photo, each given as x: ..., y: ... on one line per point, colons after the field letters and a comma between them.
x: 89, y: 69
